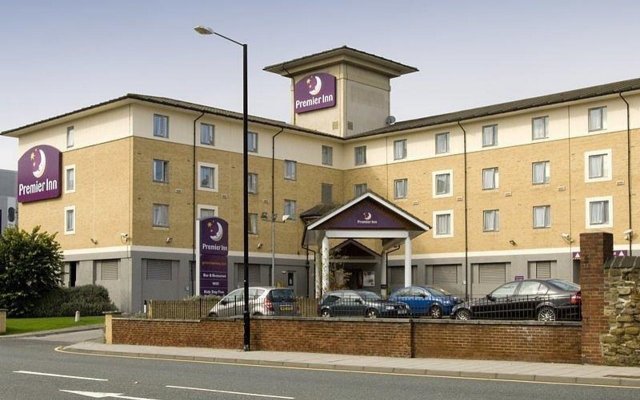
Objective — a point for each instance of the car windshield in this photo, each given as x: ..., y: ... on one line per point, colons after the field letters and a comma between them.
x: 282, y: 295
x: 370, y: 296
x: 565, y: 285
x: 438, y: 292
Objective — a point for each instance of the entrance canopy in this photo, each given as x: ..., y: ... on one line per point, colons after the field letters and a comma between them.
x: 368, y: 216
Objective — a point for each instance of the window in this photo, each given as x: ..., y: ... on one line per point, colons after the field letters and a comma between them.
x: 599, y: 212
x: 70, y: 137
x: 541, y: 270
x: 597, y: 118
x: 252, y: 142
x: 69, y: 220
x: 160, y: 169
x: 442, y: 143
x: 290, y: 208
x: 360, y: 155
x: 490, y: 178
x: 541, y: 172
x: 253, y: 224
x: 541, y: 216
x: 207, y: 134
x: 400, y: 149
x: 161, y: 215
x: 327, y: 155
x: 444, y: 223
x: 491, y: 220
x: 252, y: 183
x: 207, y: 211
x: 158, y: 270
x: 327, y: 193
x: 489, y: 135
x: 208, y: 177
x: 70, y: 179
x: 400, y: 188
x: 540, y: 128
x: 496, y: 273
x: 290, y: 170
x: 160, y: 125
x: 108, y: 270
x: 442, y: 183
x: 359, y: 189
x: 597, y: 165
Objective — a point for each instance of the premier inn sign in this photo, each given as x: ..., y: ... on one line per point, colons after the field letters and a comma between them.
x: 39, y: 171
x: 314, y: 92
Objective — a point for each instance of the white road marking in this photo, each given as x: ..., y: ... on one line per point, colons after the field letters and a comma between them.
x: 61, y: 376
x: 228, y: 392
x: 100, y: 395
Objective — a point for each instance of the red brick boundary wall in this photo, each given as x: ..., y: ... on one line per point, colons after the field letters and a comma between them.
x: 522, y: 341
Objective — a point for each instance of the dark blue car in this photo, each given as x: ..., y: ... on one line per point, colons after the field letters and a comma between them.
x: 426, y: 300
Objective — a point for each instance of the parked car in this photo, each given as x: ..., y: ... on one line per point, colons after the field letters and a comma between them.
x: 544, y: 300
x: 426, y: 300
x: 359, y: 303
x: 262, y: 301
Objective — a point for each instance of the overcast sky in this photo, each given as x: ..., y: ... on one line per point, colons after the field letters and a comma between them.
x: 58, y: 56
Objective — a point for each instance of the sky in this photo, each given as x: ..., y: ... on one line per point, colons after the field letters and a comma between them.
x: 59, y: 56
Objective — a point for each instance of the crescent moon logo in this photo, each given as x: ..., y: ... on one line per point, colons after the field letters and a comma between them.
x: 367, y: 216
x: 42, y: 166
x: 316, y: 89
x: 218, y: 235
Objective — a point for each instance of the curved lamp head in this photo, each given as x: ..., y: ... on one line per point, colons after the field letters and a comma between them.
x: 203, y: 30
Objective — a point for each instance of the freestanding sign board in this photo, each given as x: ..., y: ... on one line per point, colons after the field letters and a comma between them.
x: 213, y: 244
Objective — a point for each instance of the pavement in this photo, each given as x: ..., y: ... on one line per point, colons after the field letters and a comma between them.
x: 91, y: 341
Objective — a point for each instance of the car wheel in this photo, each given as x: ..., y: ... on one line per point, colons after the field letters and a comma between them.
x: 212, y: 315
x: 435, y: 312
x: 546, y: 314
x: 371, y: 313
x: 325, y: 313
x: 463, y: 315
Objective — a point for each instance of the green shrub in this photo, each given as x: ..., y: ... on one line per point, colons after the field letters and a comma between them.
x: 64, y: 302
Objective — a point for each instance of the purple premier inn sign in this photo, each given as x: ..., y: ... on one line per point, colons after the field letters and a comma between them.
x: 214, y: 247
x: 39, y: 174
x: 314, y: 92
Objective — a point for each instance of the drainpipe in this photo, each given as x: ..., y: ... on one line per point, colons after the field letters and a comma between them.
x: 273, y: 217
x: 467, y: 293
x: 385, y: 291
x: 194, y: 208
x: 628, y: 172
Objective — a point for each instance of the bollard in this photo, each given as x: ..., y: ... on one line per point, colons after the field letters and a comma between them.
x: 77, y: 316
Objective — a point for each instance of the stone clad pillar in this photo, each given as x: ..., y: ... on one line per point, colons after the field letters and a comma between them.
x: 595, y: 249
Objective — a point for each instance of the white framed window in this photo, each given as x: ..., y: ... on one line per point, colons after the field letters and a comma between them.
x: 597, y: 165
x: 252, y: 183
x: 252, y: 142
x: 490, y: 178
x: 160, y: 171
x: 70, y: 179
x: 400, y: 149
x: 400, y: 188
x: 253, y: 224
x: 70, y: 137
x: 327, y: 155
x: 443, y: 223
x: 599, y: 212
x: 597, y: 118
x: 70, y: 220
x: 540, y: 172
x: 442, y: 183
x: 489, y: 135
x: 160, y: 217
x: 208, y: 177
x: 290, y: 170
x: 207, y: 134
x: 360, y: 155
x: 540, y: 128
x: 160, y: 126
x: 207, y: 211
x: 290, y: 208
x: 491, y: 220
x: 326, y: 196
x: 442, y: 143
x: 359, y: 189
x: 541, y: 216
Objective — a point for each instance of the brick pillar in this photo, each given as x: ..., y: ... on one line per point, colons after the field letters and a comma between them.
x: 3, y: 321
x: 108, y: 325
x: 595, y: 248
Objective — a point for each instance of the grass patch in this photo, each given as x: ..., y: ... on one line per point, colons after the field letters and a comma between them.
x: 26, y: 325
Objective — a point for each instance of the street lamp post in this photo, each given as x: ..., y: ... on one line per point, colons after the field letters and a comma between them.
x: 245, y: 187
